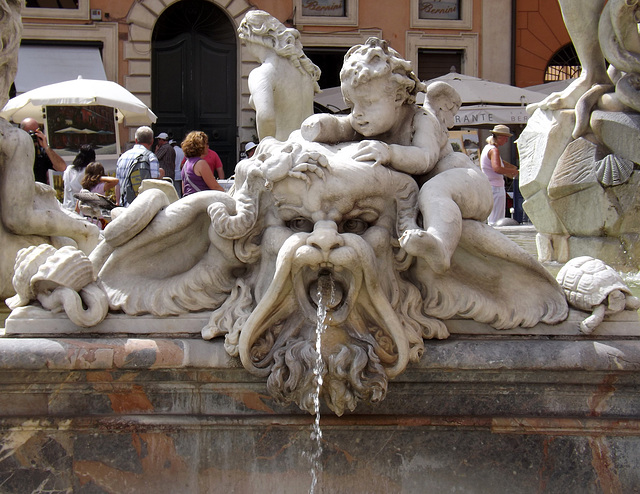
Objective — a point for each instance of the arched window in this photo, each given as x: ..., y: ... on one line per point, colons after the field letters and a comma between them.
x: 564, y: 64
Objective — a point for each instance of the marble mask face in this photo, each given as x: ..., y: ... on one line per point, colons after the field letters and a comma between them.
x: 333, y: 231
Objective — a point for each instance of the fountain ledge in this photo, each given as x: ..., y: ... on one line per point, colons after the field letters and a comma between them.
x: 32, y: 321
x: 144, y: 403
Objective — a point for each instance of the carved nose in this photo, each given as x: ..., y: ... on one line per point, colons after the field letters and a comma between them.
x: 325, y: 236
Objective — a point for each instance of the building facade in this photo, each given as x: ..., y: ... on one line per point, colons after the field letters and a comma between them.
x: 541, y: 38
x: 183, y: 57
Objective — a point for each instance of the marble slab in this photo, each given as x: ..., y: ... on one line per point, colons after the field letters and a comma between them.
x: 32, y: 321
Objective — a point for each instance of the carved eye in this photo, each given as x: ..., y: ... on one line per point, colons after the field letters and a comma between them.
x: 355, y: 226
x: 300, y: 225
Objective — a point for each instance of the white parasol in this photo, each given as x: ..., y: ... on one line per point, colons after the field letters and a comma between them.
x: 476, y: 91
x: 79, y: 92
x: 483, y: 102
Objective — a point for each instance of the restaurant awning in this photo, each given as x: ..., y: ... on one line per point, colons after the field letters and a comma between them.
x: 40, y: 65
x: 477, y: 115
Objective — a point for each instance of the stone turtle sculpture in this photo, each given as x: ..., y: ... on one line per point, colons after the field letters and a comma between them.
x: 591, y: 285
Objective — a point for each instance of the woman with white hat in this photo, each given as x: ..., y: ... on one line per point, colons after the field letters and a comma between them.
x: 495, y: 168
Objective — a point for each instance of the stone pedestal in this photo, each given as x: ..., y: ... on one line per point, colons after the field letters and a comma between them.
x: 580, y: 203
x: 484, y: 411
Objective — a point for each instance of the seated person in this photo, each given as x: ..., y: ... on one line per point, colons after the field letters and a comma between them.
x: 96, y: 180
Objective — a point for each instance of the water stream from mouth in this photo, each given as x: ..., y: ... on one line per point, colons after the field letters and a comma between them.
x: 326, y: 296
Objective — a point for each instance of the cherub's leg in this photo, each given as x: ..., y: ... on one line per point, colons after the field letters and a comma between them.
x: 581, y: 18
x: 444, y: 201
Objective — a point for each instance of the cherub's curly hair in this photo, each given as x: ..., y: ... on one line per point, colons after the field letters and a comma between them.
x: 376, y: 58
x: 261, y: 27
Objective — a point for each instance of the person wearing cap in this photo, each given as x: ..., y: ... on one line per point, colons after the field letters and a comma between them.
x: 164, y: 151
x: 495, y: 168
x: 250, y: 148
x: 166, y: 155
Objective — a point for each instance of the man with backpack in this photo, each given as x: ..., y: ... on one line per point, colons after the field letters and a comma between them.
x: 136, y: 165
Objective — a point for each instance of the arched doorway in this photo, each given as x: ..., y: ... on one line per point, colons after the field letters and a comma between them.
x: 193, y: 74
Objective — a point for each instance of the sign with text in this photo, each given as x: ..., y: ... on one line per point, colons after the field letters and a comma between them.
x: 471, y: 116
x: 439, y: 9
x: 330, y: 8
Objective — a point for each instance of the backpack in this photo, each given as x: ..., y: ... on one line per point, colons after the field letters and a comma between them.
x: 139, y: 169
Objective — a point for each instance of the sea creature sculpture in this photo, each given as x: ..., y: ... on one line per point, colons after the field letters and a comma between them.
x: 61, y: 280
x: 592, y: 286
x: 613, y: 170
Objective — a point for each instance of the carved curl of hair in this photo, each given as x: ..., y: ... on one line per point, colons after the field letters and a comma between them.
x: 376, y: 58
x: 262, y: 28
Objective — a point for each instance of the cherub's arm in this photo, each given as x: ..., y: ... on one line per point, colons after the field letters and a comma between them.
x: 418, y: 158
x: 329, y: 129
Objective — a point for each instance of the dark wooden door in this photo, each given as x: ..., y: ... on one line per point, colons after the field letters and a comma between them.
x: 194, y: 88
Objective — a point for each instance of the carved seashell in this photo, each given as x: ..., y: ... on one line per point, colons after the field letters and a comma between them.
x: 28, y: 261
x: 68, y: 267
x: 613, y: 170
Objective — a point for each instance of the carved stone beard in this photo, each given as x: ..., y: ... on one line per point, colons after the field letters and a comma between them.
x: 352, y: 360
x: 364, y: 344
x: 351, y: 370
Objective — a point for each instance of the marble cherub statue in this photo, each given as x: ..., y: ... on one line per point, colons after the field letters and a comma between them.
x: 380, y: 87
x: 30, y: 214
x: 283, y: 86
